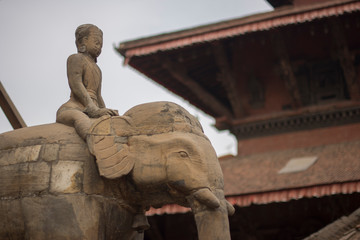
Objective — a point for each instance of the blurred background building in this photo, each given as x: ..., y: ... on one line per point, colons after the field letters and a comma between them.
x: 286, y: 84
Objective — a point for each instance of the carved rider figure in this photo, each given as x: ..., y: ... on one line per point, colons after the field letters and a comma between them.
x: 84, y: 78
x: 86, y: 103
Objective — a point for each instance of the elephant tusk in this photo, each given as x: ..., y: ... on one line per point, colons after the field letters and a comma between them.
x: 206, y: 197
x: 230, y: 208
x: 211, y: 215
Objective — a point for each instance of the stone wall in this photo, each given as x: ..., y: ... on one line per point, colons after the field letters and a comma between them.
x: 50, y: 189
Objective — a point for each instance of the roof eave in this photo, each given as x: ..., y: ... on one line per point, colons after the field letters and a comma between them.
x: 258, y: 22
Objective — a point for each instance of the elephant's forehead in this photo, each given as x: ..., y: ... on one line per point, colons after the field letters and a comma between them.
x: 149, y: 119
x: 162, y: 114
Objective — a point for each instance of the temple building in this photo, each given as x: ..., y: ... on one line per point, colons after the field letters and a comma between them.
x: 286, y: 83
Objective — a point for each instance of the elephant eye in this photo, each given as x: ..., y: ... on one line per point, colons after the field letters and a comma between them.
x: 183, y: 154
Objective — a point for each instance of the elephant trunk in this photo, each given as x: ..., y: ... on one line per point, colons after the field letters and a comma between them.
x: 211, y: 212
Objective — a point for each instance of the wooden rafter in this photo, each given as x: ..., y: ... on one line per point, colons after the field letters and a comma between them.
x: 345, y: 58
x: 287, y: 70
x: 179, y: 72
x: 10, y: 110
x: 226, y: 77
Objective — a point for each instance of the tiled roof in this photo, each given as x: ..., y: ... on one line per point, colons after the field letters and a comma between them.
x: 336, y: 163
x: 259, y: 22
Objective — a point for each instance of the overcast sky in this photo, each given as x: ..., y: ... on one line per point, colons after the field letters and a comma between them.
x: 37, y: 36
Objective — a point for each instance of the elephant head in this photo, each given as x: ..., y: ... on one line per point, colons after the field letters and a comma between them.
x: 162, y: 149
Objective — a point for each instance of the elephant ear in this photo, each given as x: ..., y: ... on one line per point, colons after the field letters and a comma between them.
x: 112, y: 158
x: 111, y: 152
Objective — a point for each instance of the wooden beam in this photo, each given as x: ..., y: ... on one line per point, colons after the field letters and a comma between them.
x: 179, y: 72
x: 10, y: 110
x: 226, y: 77
x: 345, y: 58
x: 286, y: 69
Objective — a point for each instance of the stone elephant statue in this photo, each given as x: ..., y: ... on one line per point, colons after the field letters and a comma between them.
x: 52, y: 186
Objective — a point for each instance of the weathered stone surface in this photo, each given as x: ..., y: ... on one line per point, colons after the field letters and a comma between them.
x: 39, y: 135
x: 74, y: 152
x: 66, y: 177
x: 92, y: 183
x: 19, y: 155
x: 51, y: 217
x: 11, y: 220
x: 65, y: 217
x: 49, y: 152
x: 160, y: 117
x: 25, y: 178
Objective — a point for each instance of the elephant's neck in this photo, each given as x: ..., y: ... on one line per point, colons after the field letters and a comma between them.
x: 133, y: 198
